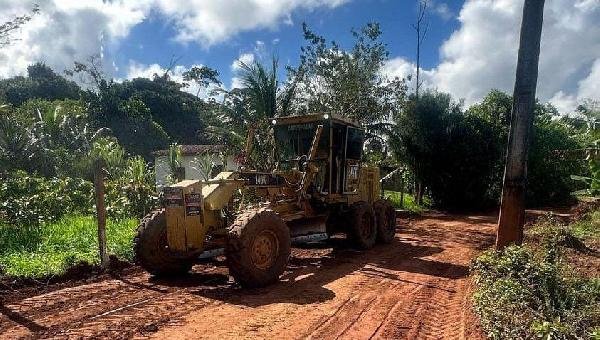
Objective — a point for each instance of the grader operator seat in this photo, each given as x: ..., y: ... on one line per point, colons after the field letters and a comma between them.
x: 338, y: 153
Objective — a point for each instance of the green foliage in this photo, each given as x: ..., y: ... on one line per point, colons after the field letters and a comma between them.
x: 41, y: 83
x: 129, y: 119
x: 588, y: 227
x: 52, y: 248
x: 549, y: 175
x: 527, y: 293
x: 48, y: 138
x: 408, y: 202
x: 203, y: 76
x: 30, y: 201
x: 450, y: 152
x: 250, y: 111
x: 133, y: 193
x: 110, y: 153
x: 460, y: 156
x: 331, y: 79
x: 587, y: 124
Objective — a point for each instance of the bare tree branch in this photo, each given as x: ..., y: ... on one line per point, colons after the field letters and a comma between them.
x: 8, y: 27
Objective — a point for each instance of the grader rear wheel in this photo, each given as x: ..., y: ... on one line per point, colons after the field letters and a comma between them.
x: 151, y: 249
x: 385, y: 215
x: 362, y: 227
x: 258, y: 248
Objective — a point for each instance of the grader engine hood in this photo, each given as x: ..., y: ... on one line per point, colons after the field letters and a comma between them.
x: 193, y: 206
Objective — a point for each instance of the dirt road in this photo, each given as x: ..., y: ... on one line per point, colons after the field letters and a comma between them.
x: 416, y: 287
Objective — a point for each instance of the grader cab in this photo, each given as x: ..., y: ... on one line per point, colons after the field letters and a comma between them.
x: 318, y: 188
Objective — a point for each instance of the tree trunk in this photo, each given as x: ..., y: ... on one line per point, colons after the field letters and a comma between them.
x: 420, y: 191
x: 101, y: 213
x: 402, y: 190
x: 512, y: 210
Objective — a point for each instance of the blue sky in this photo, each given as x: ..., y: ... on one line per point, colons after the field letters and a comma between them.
x: 152, y: 41
x: 471, y: 46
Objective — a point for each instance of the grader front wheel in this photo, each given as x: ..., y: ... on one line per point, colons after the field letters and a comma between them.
x: 362, y: 227
x: 151, y: 250
x: 258, y: 248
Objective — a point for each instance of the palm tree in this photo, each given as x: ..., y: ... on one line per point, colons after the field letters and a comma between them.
x: 267, y: 100
x: 252, y: 108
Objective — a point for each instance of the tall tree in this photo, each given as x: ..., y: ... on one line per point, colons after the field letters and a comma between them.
x: 203, y: 76
x: 512, y: 211
x: 250, y: 109
x: 331, y: 79
x: 420, y: 26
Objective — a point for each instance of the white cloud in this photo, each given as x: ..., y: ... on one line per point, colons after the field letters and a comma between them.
x: 402, y: 68
x: 482, y: 53
x: 68, y: 30
x: 137, y: 70
x: 65, y: 31
x: 590, y: 86
x: 442, y: 10
x: 212, y: 21
x: 244, y: 58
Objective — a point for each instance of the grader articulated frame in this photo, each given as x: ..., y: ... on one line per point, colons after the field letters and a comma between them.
x: 318, y: 188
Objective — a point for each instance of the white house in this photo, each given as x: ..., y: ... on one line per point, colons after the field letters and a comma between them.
x: 197, y: 162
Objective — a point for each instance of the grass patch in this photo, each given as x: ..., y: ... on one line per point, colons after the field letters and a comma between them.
x: 531, y: 291
x: 409, y: 202
x: 52, y: 248
x: 588, y: 228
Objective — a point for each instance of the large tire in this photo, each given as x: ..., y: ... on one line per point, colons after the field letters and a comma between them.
x: 258, y: 247
x: 385, y: 215
x: 362, y: 226
x: 151, y: 248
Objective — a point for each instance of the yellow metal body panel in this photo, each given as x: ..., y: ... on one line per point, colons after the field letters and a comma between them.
x: 369, y: 185
x: 219, y: 190
x: 185, y: 230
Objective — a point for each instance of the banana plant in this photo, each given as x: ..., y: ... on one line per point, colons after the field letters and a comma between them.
x: 593, y: 180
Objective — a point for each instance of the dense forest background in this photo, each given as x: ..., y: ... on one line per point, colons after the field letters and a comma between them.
x: 53, y: 126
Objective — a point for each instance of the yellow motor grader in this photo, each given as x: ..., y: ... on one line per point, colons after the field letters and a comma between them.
x: 318, y: 188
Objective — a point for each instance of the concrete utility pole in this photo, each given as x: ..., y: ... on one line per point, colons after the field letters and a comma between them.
x: 512, y: 210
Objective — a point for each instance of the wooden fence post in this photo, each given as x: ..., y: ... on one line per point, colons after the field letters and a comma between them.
x: 101, y: 212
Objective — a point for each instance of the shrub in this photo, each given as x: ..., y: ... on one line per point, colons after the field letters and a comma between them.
x: 455, y: 155
x: 133, y: 192
x: 29, y: 201
x: 522, y: 293
x: 408, y: 203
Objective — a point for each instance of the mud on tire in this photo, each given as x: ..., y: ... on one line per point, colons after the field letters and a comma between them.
x: 362, y: 227
x: 385, y: 216
x: 258, y: 247
x: 151, y: 249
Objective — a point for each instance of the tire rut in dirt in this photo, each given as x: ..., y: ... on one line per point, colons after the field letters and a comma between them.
x: 74, y: 303
x: 120, y: 311
x: 143, y: 317
x: 434, y: 312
